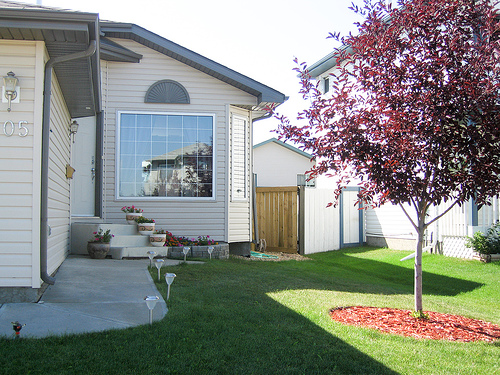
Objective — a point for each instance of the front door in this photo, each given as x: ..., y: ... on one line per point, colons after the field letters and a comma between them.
x: 83, y: 160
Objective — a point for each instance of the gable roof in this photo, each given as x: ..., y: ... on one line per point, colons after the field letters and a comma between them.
x: 65, y: 31
x: 285, y: 145
x: 265, y: 95
x: 328, y: 62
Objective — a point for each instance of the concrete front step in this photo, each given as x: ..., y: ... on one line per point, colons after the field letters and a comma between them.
x: 125, y: 235
x: 137, y: 252
x: 130, y: 241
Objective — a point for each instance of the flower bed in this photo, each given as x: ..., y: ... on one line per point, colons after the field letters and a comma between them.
x: 221, y: 251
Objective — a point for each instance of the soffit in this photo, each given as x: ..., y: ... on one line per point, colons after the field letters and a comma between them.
x: 63, y: 33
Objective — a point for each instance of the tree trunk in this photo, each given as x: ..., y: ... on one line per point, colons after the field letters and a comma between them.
x: 422, y: 210
x: 418, y: 270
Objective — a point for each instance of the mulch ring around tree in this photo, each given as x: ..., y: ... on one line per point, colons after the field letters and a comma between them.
x: 401, y: 322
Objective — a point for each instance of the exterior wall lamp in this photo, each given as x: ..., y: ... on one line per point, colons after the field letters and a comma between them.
x: 10, y: 88
x: 73, y: 129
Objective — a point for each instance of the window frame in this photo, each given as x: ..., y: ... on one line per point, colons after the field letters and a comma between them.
x: 158, y: 198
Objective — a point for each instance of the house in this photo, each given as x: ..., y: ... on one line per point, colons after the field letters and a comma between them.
x: 160, y: 127
x: 388, y: 225
x: 277, y: 163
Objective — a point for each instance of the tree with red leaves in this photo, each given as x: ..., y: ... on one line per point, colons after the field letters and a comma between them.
x: 413, y: 111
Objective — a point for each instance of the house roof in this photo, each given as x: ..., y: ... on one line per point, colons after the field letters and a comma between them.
x: 265, y: 95
x: 283, y: 144
x: 65, y: 31
x: 328, y: 62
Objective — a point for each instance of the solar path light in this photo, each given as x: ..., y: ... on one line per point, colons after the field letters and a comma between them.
x: 210, y: 251
x: 158, y: 264
x: 151, y: 303
x: 185, y: 250
x: 151, y: 255
x: 169, y: 278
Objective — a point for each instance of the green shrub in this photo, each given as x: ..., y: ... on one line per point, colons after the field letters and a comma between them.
x: 488, y: 243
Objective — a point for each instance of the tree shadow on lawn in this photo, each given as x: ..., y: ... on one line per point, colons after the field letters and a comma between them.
x: 240, y: 329
x: 386, y: 278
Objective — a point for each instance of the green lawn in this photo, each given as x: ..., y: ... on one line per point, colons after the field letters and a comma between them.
x: 255, y: 317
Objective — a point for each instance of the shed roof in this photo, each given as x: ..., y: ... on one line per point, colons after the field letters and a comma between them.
x: 285, y: 145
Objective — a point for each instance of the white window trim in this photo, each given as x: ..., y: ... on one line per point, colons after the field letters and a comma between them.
x: 246, y: 187
x: 183, y: 199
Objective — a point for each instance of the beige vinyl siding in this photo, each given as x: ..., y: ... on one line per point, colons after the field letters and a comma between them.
x: 19, y: 169
x: 239, y: 204
x: 124, y: 88
x: 59, y: 187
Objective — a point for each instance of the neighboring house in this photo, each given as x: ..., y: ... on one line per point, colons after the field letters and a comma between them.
x: 389, y: 226
x: 161, y: 127
x: 279, y: 164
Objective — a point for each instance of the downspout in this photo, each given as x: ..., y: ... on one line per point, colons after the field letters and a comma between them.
x: 44, y: 196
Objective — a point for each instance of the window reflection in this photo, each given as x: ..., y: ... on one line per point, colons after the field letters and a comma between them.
x: 166, y: 155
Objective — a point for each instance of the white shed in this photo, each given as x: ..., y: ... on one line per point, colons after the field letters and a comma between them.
x: 277, y: 163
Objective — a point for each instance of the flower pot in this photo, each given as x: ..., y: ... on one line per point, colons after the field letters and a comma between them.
x: 131, y: 216
x: 146, y: 229
x: 157, y: 240
x: 98, y: 250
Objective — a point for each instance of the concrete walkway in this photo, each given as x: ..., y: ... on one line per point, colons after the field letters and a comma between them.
x: 89, y: 295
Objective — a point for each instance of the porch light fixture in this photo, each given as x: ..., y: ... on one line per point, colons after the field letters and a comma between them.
x: 151, y: 303
x: 10, y: 82
x: 158, y: 264
x: 73, y: 129
x: 169, y: 278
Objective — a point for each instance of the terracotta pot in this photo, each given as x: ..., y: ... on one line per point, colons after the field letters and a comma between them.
x: 131, y: 216
x: 98, y: 250
x: 146, y: 229
x: 157, y: 240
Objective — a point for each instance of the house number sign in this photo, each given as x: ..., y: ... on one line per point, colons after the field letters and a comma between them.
x: 10, y: 129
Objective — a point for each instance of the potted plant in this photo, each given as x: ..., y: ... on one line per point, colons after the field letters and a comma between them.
x: 131, y: 213
x: 158, y: 238
x: 145, y: 226
x: 98, y: 246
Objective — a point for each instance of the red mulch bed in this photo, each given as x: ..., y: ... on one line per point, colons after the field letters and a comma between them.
x: 401, y: 322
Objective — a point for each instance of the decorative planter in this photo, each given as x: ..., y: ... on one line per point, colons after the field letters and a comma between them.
x: 131, y: 216
x: 157, y: 240
x: 146, y: 229
x: 486, y: 258
x: 98, y: 250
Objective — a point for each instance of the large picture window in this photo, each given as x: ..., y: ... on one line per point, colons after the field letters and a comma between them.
x: 165, y: 155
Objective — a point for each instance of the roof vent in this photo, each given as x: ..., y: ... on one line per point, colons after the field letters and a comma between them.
x: 167, y: 91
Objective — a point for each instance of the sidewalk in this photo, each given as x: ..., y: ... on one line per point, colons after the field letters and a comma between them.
x: 89, y: 295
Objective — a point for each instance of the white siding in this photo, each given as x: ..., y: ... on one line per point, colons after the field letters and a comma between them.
x: 389, y: 223
x: 19, y: 168
x: 239, y: 206
x: 276, y: 165
x: 239, y: 158
x: 124, y: 88
x: 59, y: 187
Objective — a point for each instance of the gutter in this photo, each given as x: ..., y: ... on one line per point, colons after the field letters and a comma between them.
x: 44, y: 227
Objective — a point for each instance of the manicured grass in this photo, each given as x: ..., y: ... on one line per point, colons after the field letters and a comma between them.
x: 254, y: 317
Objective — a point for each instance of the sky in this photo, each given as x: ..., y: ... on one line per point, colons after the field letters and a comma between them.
x: 258, y: 38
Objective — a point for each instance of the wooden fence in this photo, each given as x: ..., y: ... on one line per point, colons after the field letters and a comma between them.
x: 277, y: 215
